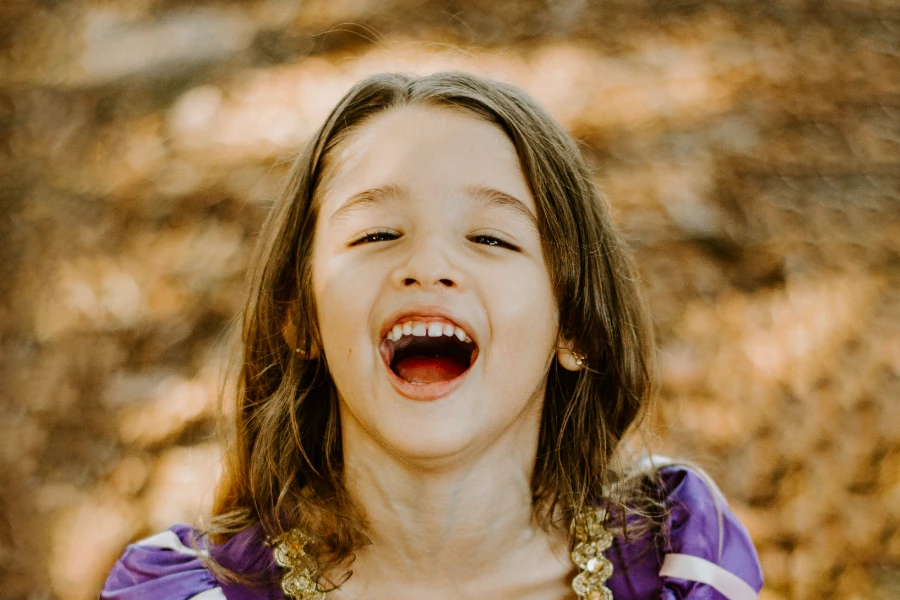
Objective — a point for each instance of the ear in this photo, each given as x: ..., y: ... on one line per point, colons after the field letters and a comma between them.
x: 568, y: 357
x: 289, y: 333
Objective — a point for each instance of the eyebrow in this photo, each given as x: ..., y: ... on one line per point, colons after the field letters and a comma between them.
x: 494, y: 197
x: 488, y: 195
x: 374, y: 196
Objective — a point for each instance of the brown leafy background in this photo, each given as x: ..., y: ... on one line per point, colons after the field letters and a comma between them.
x: 751, y: 151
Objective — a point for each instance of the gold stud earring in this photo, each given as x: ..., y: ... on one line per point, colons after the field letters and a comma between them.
x: 304, y: 354
x: 571, y: 360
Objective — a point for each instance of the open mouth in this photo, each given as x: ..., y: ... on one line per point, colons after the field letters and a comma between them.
x: 426, y: 352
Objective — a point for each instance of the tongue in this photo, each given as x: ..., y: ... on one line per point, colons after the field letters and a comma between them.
x: 430, y: 369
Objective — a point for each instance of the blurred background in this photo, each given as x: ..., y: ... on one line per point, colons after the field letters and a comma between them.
x: 751, y: 151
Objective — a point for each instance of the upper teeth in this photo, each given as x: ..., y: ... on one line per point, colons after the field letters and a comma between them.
x: 423, y: 328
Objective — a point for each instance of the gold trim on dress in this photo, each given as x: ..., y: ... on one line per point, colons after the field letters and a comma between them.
x: 300, y: 581
x: 592, y: 540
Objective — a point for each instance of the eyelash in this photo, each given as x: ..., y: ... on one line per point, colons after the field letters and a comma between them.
x: 496, y: 242
x: 375, y: 236
x: 386, y: 236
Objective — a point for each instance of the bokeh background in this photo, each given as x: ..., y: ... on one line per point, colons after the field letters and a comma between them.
x: 751, y: 151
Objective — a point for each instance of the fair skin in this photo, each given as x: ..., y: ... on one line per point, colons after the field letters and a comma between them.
x: 426, y: 217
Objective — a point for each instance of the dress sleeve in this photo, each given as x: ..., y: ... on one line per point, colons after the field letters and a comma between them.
x: 706, y: 554
x: 165, y: 566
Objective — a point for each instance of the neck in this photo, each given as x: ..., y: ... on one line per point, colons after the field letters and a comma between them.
x: 448, y: 521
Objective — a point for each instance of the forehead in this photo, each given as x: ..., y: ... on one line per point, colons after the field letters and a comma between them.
x: 422, y: 149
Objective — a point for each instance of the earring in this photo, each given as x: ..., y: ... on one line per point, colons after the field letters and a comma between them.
x: 304, y: 354
x: 571, y: 360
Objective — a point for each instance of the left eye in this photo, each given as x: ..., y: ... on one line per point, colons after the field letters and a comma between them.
x: 375, y: 236
x: 489, y: 240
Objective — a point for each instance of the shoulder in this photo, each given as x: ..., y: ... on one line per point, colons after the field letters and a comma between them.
x: 703, y: 551
x: 166, y: 565
x: 172, y: 565
x: 701, y: 525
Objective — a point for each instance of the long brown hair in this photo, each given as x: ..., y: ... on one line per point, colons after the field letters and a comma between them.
x: 284, y: 463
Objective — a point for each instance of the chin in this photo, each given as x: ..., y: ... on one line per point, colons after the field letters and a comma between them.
x: 452, y: 431
x: 423, y: 434
x: 433, y: 449
x: 443, y: 429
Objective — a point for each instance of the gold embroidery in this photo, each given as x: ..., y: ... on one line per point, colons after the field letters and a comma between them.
x: 300, y: 582
x: 592, y: 540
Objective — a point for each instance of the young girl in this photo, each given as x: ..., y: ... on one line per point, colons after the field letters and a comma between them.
x: 444, y: 348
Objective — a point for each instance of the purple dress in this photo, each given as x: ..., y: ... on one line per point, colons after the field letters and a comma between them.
x: 707, y: 555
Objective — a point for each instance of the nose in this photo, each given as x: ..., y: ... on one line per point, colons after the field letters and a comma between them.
x: 428, y: 265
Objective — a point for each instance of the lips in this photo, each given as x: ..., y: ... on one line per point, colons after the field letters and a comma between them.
x: 427, y: 354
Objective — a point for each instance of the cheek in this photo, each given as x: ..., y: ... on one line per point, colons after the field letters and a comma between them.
x: 340, y: 309
x: 524, y: 316
x: 340, y: 303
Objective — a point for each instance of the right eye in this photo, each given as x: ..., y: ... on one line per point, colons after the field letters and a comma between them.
x: 375, y: 236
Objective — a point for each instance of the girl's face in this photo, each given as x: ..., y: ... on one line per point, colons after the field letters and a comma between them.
x: 435, y: 306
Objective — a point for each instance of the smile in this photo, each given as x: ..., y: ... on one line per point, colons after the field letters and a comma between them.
x: 427, y: 357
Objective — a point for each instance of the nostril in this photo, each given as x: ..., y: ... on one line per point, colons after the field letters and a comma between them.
x: 413, y: 281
